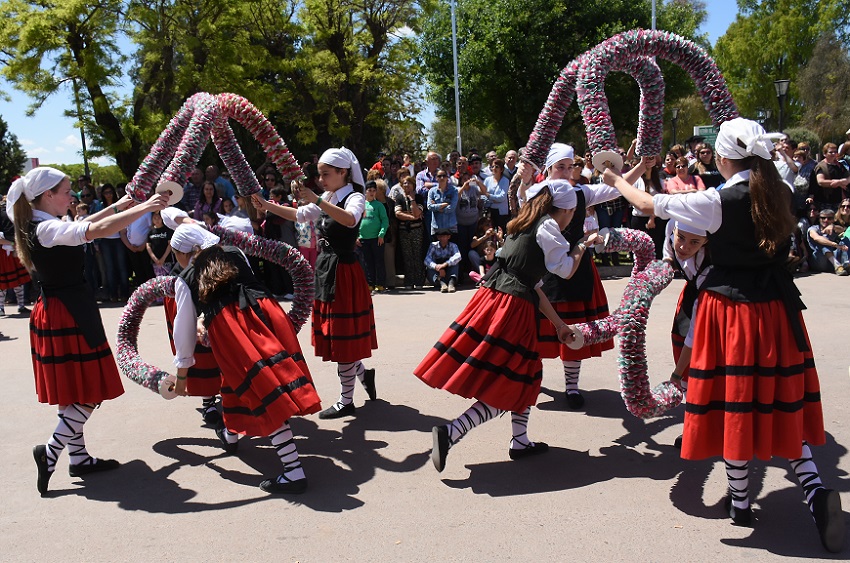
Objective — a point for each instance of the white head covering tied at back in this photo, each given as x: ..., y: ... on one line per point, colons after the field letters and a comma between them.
x: 741, y: 138
x: 170, y: 215
x: 189, y: 235
x: 692, y: 230
x: 563, y: 193
x: 558, y: 151
x: 344, y: 158
x: 36, y: 182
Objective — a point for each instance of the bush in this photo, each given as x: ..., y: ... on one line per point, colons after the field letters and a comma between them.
x: 801, y: 134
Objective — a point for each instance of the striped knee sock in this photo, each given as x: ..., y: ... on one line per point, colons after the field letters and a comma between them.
x: 478, y: 413
x: 571, y: 373
x: 738, y: 475
x: 519, y: 428
x: 71, y: 421
x: 347, y: 376
x: 807, y: 474
x: 284, y: 443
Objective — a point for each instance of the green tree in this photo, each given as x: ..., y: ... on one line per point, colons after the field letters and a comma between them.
x: 511, y: 52
x: 774, y: 40
x: 12, y: 156
x: 823, y: 90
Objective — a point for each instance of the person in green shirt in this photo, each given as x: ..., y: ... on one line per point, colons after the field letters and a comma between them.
x: 373, y: 227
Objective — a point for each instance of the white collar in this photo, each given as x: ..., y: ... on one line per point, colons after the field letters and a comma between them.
x: 38, y: 216
x: 739, y: 178
x: 341, y: 193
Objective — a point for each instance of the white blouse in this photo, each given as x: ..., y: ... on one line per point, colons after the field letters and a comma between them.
x: 55, y: 232
x: 354, y: 205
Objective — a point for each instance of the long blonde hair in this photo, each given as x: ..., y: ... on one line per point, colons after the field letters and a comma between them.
x: 23, y: 216
x: 533, y: 210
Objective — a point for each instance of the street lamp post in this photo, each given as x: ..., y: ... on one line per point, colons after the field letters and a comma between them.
x: 452, y: 4
x: 82, y: 128
x: 781, y: 92
x: 675, y: 118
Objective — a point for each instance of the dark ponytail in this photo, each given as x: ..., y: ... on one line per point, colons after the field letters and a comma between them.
x: 771, y: 204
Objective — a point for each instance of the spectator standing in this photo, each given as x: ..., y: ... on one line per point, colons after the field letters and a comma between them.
x: 705, y: 167
x: 210, y: 202
x: 684, y: 182
x: 373, y: 229
x: 158, y: 247
x: 410, y: 226
x: 223, y: 186
x: 135, y: 238
x: 511, y: 161
x: 116, y: 271
x: 469, y: 207
x: 830, y: 179
x: 192, y: 191
x: 497, y: 185
x: 784, y: 159
x: 805, y: 166
x: 656, y: 228
x: 281, y: 229
x: 442, y: 203
x: 669, y: 169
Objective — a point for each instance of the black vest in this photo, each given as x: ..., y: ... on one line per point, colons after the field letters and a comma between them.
x: 336, y: 245
x: 59, y: 273
x: 580, y: 286
x: 520, y: 265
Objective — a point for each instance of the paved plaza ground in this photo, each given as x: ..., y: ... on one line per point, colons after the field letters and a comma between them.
x: 612, y: 488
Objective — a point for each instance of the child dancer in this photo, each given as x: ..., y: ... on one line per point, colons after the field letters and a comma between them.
x: 343, y: 320
x: 264, y: 379
x: 580, y: 298
x: 753, y: 386
x: 72, y: 361
x: 490, y: 351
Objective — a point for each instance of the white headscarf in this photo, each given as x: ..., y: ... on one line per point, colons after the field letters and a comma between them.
x: 170, y: 215
x: 740, y: 138
x: 189, y: 235
x: 684, y: 227
x: 36, y: 182
x: 563, y: 193
x: 344, y: 158
x: 558, y: 151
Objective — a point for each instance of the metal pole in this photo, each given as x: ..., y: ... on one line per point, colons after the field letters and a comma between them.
x: 781, y: 112
x: 653, y: 15
x: 82, y: 127
x: 452, y: 3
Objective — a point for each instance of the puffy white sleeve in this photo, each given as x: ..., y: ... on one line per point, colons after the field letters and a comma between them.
x: 185, y: 326
x: 308, y: 213
x: 669, y: 253
x: 59, y: 233
x: 599, y: 193
x: 701, y: 210
x: 555, y: 247
x: 356, y: 204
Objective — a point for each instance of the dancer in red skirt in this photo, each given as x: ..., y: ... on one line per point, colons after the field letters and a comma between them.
x: 264, y: 378
x: 580, y: 298
x: 490, y: 351
x: 13, y: 275
x: 343, y: 318
x: 753, y: 387
x: 72, y: 361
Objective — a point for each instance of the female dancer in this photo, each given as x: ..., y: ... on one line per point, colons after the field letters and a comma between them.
x: 580, y: 298
x: 754, y: 388
x: 72, y: 361
x: 490, y: 351
x: 264, y: 379
x: 343, y: 320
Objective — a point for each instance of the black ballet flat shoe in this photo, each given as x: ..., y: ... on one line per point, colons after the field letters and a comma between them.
x: 275, y: 487
x: 330, y: 413
x: 440, y: 448
x: 575, y: 401
x: 99, y: 465
x: 826, y: 509
x: 44, y: 475
x: 537, y: 449
x: 230, y: 449
x: 740, y: 516
x: 369, y: 384
x: 677, y: 443
x: 211, y: 416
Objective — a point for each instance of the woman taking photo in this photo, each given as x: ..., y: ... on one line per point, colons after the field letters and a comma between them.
x: 409, y: 215
x: 496, y: 187
x: 753, y: 388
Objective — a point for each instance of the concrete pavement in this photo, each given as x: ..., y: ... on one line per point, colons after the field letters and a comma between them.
x: 612, y: 488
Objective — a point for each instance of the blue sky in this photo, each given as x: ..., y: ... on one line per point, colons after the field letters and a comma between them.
x: 51, y: 137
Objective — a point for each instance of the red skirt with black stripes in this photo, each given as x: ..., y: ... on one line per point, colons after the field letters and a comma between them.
x: 265, y: 380
x: 344, y: 329
x: 68, y: 370
x: 204, y: 378
x: 751, y: 392
x: 574, y: 312
x: 12, y: 272
x: 678, y: 340
x: 488, y: 353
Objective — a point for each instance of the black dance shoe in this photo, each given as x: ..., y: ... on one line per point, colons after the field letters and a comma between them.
x: 275, y: 487
x: 229, y: 448
x: 369, y: 384
x: 440, y: 448
x: 740, y: 516
x: 96, y: 466
x: 826, y: 509
x: 44, y: 475
x: 537, y: 449
x: 575, y: 401
x: 331, y: 412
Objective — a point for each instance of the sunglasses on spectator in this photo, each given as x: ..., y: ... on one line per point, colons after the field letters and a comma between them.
x: 844, y: 207
x: 681, y: 166
x: 441, y: 176
x: 705, y: 152
x: 822, y: 218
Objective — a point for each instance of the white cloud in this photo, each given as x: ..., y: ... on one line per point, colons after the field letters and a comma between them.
x: 72, y: 141
x: 58, y: 149
x: 26, y: 142
x: 37, y: 152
